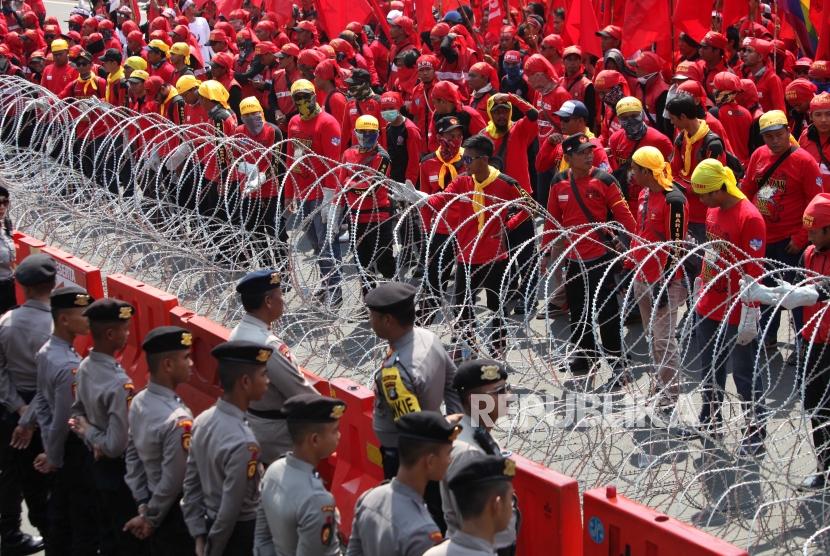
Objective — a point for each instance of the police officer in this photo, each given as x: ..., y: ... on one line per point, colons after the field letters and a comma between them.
x: 297, y: 514
x: 484, y: 489
x: 160, y: 431
x: 261, y: 295
x: 392, y: 519
x: 22, y: 333
x: 64, y: 456
x: 102, y: 402
x: 483, y: 388
x: 416, y: 374
x: 221, y: 484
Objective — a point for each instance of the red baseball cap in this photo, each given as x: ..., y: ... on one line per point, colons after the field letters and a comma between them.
x: 613, y: 31
x: 715, y: 40
x: 391, y: 100
x: 800, y: 91
x: 817, y: 213
x: 820, y: 70
x: 265, y: 47
x: 512, y: 57
x: 820, y: 102
x: 305, y: 25
x: 289, y: 49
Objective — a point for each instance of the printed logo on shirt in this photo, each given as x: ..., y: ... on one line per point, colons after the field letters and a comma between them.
x: 433, y: 178
x: 130, y: 389
x: 352, y: 111
x: 756, y: 244
x: 335, y: 141
x: 326, y: 532
x: 765, y: 199
x: 254, y: 461
x: 563, y: 198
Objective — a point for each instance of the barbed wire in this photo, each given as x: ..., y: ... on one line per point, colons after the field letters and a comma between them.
x: 177, y: 207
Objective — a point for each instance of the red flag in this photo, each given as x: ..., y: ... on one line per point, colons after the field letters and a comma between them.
x: 494, y: 17
x: 693, y: 17
x: 423, y: 15
x: 823, y: 48
x: 335, y: 14
x: 646, y: 22
x: 732, y: 11
x: 581, y: 21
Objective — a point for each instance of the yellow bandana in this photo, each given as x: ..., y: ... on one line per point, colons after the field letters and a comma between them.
x: 112, y: 80
x: 491, y: 127
x: 687, y: 157
x: 170, y: 94
x: 91, y: 81
x: 447, y: 166
x: 478, y: 196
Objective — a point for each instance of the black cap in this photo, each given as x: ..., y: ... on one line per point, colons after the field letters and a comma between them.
x: 448, y: 123
x: 241, y: 351
x: 359, y: 76
x: 482, y: 468
x: 111, y: 55
x: 427, y: 426
x: 167, y: 338
x: 313, y: 408
x: 83, y: 55
x: 576, y: 143
x: 70, y: 297
x: 35, y: 269
x: 478, y: 372
x: 109, y: 310
x: 259, y: 281
x: 389, y: 297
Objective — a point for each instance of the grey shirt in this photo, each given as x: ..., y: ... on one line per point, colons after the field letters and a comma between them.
x: 286, y: 380
x: 416, y: 375
x: 57, y: 362
x: 103, y: 395
x: 464, y: 449
x: 221, y: 484
x: 297, y: 515
x: 160, y: 433
x: 23, y: 331
x: 463, y: 544
x: 392, y: 520
x: 7, y: 254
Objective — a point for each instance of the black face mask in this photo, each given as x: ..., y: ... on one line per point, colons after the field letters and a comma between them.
x: 95, y: 47
x: 107, y: 34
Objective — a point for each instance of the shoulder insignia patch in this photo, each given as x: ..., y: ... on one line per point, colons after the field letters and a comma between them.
x: 186, y: 426
x: 326, y: 532
x: 130, y: 389
x: 327, y: 508
x: 436, y: 537
x: 254, y: 461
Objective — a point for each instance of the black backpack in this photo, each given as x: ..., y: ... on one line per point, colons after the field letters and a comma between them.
x: 713, y: 142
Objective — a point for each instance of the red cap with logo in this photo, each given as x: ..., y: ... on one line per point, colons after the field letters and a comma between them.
x: 800, y: 91
x: 391, y: 100
x: 817, y: 213
x: 820, y: 102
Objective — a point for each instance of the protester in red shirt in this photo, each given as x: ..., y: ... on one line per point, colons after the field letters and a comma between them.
x: 798, y: 94
x: 653, y: 90
x: 313, y: 131
x: 575, y: 83
x: 547, y: 95
x: 221, y: 70
x: 756, y: 66
x: 404, y: 55
x: 157, y: 52
x: 446, y: 101
x: 713, y: 53
x: 326, y: 75
x: 403, y: 139
x: 736, y: 119
x: 420, y: 103
x: 727, y: 328
x: 816, y: 138
x: 59, y: 73
x: 482, y: 81
x: 611, y: 86
x: 581, y: 197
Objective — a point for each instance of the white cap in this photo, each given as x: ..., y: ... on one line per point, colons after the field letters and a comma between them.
x: 393, y: 15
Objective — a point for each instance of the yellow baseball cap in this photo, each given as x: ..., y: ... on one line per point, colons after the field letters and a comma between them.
x: 215, y: 91
x: 186, y: 83
x: 59, y: 45
x: 627, y: 105
x: 302, y: 85
x: 367, y: 122
x: 772, y: 121
x: 136, y: 62
x: 159, y: 44
x: 249, y: 105
x: 139, y: 75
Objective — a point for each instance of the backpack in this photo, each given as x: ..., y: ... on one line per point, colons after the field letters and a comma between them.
x: 709, y: 143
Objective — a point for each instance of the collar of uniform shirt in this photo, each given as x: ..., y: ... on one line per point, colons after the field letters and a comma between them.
x: 251, y: 319
x: 230, y: 409
x: 403, y: 340
x: 160, y: 390
x: 35, y: 304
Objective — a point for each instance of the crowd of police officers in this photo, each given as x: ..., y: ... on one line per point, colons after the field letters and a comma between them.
x: 107, y: 468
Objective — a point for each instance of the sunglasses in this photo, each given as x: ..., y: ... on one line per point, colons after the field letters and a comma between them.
x: 467, y: 159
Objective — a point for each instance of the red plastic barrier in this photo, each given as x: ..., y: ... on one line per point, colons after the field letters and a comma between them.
x: 24, y: 245
x: 551, y: 516
x: 615, y: 525
x: 359, y: 465
x: 152, y: 309
x: 203, y: 389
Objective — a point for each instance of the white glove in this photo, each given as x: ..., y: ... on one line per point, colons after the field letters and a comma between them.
x: 409, y: 194
x: 696, y: 286
x: 795, y: 296
x: 153, y: 161
x: 248, y: 169
x: 752, y: 291
x: 748, y: 325
x: 177, y: 157
x: 254, y: 183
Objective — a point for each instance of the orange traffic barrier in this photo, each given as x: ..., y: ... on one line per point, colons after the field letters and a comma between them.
x: 616, y: 525
x: 152, y: 309
x: 24, y: 245
x: 203, y: 389
x: 551, y: 516
x: 359, y: 464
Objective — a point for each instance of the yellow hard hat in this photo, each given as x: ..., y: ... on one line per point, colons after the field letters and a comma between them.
x: 215, y: 91
x: 302, y: 85
x: 627, y: 105
x: 140, y: 74
x: 59, y: 45
x: 249, y: 105
x: 136, y: 62
x: 186, y: 83
x: 366, y: 123
x: 159, y: 44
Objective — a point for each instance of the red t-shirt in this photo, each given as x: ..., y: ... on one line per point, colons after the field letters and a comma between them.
x: 55, y: 78
x: 521, y: 135
x: 741, y: 235
x: 365, y: 204
x: 622, y: 148
x: 267, y: 138
x: 546, y: 105
x: 600, y: 193
x: 660, y: 217
x: 429, y: 183
x: 817, y: 146
x: 817, y: 328
x: 319, y: 135
x: 355, y: 109
x: 736, y: 121
x: 782, y: 200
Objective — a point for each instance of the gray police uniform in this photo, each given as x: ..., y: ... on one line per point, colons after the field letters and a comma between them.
x: 392, y: 520
x: 416, y: 375
x: 23, y: 331
x: 286, y: 380
x: 57, y: 362
x: 462, y: 544
x: 160, y: 433
x: 297, y: 514
x: 103, y: 396
x: 465, y: 447
x: 221, y: 484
